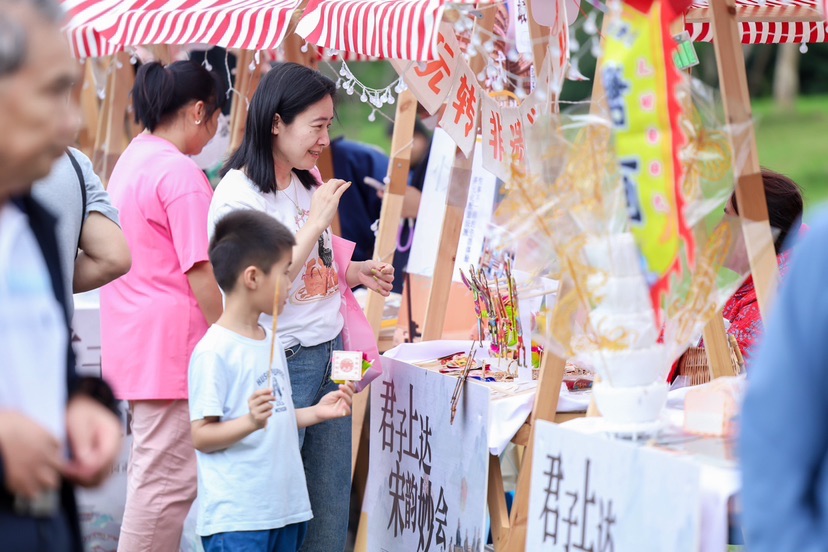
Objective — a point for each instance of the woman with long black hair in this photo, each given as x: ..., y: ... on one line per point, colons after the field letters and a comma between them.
x: 287, y: 129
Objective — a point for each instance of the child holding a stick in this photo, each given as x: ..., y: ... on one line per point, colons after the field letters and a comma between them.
x: 252, y: 492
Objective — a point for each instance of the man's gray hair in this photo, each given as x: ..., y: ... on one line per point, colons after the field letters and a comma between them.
x: 13, y: 32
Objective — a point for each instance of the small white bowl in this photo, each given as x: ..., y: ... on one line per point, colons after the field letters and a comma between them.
x: 628, y: 405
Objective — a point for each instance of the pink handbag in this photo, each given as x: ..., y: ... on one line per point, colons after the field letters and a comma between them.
x: 357, y: 334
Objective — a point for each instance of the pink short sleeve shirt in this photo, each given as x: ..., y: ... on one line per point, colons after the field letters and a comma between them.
x: 150, y: 319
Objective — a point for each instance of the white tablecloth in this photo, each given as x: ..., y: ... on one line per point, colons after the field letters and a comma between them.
x: 511, y: 403
x: 720, y: 477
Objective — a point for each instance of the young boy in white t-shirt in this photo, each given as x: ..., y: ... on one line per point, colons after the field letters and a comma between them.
x: 252, y: 493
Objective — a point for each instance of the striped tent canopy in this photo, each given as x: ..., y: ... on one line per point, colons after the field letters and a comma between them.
x: 765, y: 21
x: 80, y: 27
x: 382, y: 29
x: 113, y: 24
x: 358, y: 29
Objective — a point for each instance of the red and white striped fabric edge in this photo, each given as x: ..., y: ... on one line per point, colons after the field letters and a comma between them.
x: 765, y: 4
x: 386, y: 29
x: 84, y: 39
x: 243, y: 24
x: 766, y: 33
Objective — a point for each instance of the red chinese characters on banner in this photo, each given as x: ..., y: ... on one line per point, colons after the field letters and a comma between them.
x: 431, y: 82
x: 495, y: 140
x: 513, y: 129
x: 465, y: 104
x: 530, y: 112
x: 460, y: 117
x: 438, y: 72
x: 495, y: 136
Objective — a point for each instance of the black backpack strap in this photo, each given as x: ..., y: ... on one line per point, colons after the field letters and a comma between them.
x: 82, y: 184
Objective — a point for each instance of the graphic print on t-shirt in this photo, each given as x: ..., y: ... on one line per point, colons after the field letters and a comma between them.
x: 277, y: 381
x: 319, y: 278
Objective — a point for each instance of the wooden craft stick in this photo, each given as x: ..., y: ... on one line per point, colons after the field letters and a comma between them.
x: 276, y: 299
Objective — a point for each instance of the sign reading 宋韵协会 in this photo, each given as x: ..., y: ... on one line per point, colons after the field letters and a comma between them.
x: 427, y: 483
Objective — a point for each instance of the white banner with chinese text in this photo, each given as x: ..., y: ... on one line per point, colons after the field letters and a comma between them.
x: 427, y: 483
x: 431, y: 81
x: 477, y: 214
x: 593, y: 493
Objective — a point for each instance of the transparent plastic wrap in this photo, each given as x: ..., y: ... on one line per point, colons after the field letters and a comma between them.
x: 566, y: 217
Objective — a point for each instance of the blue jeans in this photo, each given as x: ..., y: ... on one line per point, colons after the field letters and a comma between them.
x: 29, y: 534
x: 284, y: 539
x: 326, y: 449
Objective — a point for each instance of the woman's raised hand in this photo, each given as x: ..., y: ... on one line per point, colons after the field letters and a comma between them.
x: 325, y: 202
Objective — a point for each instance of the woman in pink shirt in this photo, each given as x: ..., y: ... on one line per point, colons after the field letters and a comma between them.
x: 152, y: 318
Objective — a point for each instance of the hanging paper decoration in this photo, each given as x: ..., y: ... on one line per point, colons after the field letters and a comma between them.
x: 431, y: 81
x: 558, y: 53
x: 460, y: 116
x: 639, y: 78
x: 530, y: 111
x: 495, y: 140
x: 515, y: 141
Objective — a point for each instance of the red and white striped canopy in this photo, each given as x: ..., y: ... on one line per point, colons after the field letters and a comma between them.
x: 101, y: 27
x: 396, y: 29
x: 83, y: 36
x: 766, y: 21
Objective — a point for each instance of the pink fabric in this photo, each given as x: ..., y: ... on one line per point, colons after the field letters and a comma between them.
x: 162, y: 476
x: 150, y: 319
x: 357, y: 334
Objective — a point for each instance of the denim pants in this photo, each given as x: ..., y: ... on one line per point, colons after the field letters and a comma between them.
x: 285, y: 539
x: 326, y: 449
x: 27, y: 534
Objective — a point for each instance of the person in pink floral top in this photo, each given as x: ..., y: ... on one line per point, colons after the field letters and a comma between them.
x: 785, y: 206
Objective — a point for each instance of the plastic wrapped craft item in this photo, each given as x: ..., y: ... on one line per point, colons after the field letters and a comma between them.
x: 713, y: 408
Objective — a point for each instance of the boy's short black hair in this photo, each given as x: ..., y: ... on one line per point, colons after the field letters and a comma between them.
x: 247, y: 238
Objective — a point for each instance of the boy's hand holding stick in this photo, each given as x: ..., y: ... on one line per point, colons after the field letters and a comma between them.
x: 261, y: 407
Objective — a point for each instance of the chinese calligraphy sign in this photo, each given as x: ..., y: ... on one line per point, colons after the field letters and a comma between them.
x: 427, y: 484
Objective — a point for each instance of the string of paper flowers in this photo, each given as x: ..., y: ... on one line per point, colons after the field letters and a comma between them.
x: 377, y: 98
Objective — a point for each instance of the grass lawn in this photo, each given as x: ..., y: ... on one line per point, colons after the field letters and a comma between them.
x: 795, y: 144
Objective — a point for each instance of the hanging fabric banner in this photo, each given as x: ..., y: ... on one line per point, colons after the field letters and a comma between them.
x: 515, y: 141
x: 460, y: 117
x: 640, y: 78
x: 431, y: 81
x: 495, y: 143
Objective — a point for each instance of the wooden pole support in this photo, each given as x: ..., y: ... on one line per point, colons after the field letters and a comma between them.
x: 392, y: 203
x: 111, y: 138
x: 498, y: 511
x: 750, y: 191
x: 717, y: 348
x: 545, y: 407
x: 458, y: 194
x: 438, y: 297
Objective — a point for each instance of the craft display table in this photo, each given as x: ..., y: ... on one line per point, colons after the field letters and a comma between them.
x: 671, y: 492
x: 428, y: 477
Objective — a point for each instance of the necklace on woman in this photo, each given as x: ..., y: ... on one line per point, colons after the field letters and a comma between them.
x: 300, y: 212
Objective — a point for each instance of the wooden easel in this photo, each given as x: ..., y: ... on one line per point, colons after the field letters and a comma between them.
x: 724, y: 16
x: 111, y: 137
x: 458, y: 194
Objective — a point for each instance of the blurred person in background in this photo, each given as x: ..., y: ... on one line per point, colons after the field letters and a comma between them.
x: 92, y: 246
x: 784, y: 441
x: 55, y: 428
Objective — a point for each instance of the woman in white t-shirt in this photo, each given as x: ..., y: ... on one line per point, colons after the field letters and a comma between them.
x: 287, y: 129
